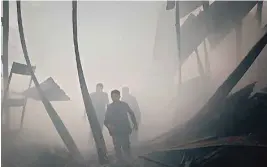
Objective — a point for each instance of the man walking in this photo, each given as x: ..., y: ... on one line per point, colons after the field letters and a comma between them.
x: 132, y: 102
x: 117, y: 122
x: 100, y: 101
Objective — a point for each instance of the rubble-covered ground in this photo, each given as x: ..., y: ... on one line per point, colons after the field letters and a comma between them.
x: 17, y: 152
x: 244, y: 114
x: 241, y: 116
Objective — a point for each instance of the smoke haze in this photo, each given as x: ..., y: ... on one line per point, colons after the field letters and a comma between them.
x: 116, y: 42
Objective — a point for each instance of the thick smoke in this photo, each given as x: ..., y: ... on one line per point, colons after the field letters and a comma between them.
x: 117, y: 49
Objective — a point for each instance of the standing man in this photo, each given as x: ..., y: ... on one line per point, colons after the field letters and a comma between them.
x: 100, y: 101
x: 117, y: 122
x: 132, y: 102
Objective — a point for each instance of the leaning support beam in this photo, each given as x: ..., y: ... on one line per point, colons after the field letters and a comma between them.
x: 238, y: 32
x: 207, y: 61
x: 199, y: 64
x: 24, y: 108
x: 5, y: 23
x: 223, y: 91
x: 259, y: 13
x: 178, y: 36
x: 58, y: 124
x: 206, y: 54
x: 19, y: 69
x: 5, y: 108
x: 90, y: 111
x: 259, y: 19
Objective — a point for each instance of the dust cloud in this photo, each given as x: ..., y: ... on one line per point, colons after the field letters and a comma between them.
x: 116, y: 45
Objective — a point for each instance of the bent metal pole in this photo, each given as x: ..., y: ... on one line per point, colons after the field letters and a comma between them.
x: 90, y: 111
x: 58, y: 124
x: 5, y: 23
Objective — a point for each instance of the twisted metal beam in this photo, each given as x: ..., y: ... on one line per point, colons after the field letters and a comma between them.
x: 221, y: 93
x: 58, y: 124
x: 90, y: 111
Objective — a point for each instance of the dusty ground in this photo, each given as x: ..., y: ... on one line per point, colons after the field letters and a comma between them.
x: 17, y: 151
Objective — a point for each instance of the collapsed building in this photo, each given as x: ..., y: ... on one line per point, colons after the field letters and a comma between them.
x: 219, y: 118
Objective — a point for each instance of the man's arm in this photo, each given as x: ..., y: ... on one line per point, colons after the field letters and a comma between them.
x: 133, y: 118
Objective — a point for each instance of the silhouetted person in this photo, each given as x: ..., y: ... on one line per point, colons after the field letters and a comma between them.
x: 118, y: 124
x: 100, y: 101
x: 132, y: 102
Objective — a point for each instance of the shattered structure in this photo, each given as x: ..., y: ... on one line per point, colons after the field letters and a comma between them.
x: 230, y: 127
